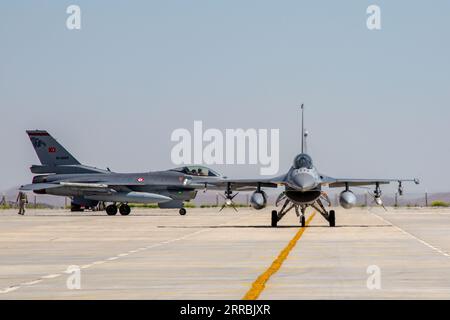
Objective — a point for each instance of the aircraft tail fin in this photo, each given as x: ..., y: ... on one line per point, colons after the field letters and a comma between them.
x: 49, y: 151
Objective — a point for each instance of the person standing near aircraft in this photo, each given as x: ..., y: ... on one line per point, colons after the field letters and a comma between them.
x: 21, y: 200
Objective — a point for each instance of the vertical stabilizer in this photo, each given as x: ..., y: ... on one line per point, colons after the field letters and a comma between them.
x: 303, y: 128
x: 49, y: 151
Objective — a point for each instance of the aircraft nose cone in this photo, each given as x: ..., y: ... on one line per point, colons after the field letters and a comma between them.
x: 304, y: 181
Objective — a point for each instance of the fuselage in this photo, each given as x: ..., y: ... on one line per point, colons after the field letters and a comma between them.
x: 303, y: 181
x: 167, y: 183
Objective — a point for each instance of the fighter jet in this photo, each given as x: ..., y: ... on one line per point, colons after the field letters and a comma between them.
x: 303, y: 185
x: 61, y: 174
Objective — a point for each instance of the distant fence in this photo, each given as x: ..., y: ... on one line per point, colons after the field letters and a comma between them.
x: 243, y: 199
x: 363, y: 199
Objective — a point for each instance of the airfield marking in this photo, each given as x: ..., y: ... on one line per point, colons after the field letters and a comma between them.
x: 9, y: 289
x: 51, y: 276
x: 413, y: 236
x: 260, y: 283
x: 30, y: 283
x: 121, y: 255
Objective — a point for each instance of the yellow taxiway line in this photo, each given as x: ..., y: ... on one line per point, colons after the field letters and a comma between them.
x: 260, y: 283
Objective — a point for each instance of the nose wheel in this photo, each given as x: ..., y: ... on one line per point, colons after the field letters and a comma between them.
x: 182, y: 211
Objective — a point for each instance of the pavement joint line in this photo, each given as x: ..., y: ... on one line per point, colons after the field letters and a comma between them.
x: 30, y: 283
x: 9, y: 289
x: 413, y: 236
x: 112, y: 258
x: 259, y: 284
x: 51, y: 276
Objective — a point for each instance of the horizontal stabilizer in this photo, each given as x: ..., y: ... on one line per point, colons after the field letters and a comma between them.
x: 38, y: 186
x: 65, y: 169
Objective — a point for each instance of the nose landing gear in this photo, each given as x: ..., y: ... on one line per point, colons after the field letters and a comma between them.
x: 301, y: 214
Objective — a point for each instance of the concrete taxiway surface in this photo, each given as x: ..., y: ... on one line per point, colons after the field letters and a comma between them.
x: 157, y: 254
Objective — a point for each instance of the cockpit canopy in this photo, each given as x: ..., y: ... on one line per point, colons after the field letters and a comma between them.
x: 197, y: 171
x: 303, y: 161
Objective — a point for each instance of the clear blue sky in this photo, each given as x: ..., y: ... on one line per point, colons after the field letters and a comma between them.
x: 378, y: 101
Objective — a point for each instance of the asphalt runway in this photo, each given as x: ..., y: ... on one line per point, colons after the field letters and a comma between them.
x: 157, y: 254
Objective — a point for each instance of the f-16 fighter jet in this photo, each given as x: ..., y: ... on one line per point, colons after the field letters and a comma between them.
x: 303, y: 188
x: 61, y: 174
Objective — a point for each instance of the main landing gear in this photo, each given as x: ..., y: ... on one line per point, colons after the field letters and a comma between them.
x: 124, y: 209
x: 182, y: 211
x: 76, y: 208
x: 111, y: 210
x: 288, y: 205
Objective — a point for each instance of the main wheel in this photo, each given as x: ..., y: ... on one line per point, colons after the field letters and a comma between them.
x: 332, y: 218
x: 124, y: 209
x: 274, y: 218
x: 303, y: 221
x: 182, y: 211
x: 111, y: 210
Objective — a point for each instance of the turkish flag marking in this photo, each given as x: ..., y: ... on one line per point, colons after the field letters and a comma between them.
x: 52, y: 149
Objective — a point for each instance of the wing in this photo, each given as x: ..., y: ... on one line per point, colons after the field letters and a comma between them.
x: 342, y: 182
x: 38, y: 186
x: 242, y: 184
